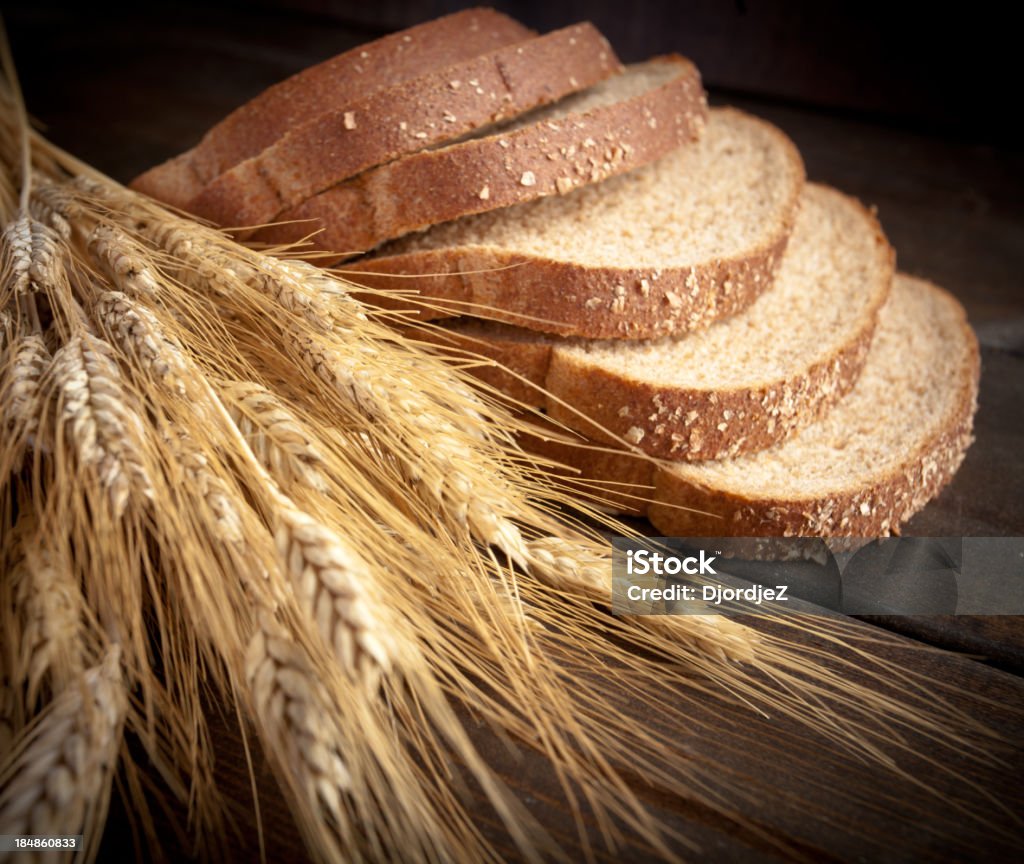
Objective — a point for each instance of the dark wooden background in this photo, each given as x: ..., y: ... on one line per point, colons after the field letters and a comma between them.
x: 914, y: 111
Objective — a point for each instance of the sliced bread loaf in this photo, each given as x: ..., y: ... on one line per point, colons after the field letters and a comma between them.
x: 436, y: 107
x: 327, y: 86
x: 741, y: 385
x: 873, y: 462
x: 667, y: 248
x: 618, y: 125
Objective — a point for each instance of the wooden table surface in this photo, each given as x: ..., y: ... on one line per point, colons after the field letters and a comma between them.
x: 123, y: 94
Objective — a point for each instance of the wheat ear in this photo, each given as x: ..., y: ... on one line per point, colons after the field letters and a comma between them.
x: 28, y: 360
x: 330, y: 579
x: 296, y: 286
x: 288, y: 704
x: 102, y: 430
x: 31, y: 253
x: 275, y: 435
x: 58, y: 778
x: 218, y: 500
x: 51, y: 605
x: 138, y: 332
x: 438, y: 456
x: 23, y: 365
x: 50, y: 216
x: 123, y: 259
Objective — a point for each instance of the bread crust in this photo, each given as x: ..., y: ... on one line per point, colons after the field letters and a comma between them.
x: 382, y: 63
x: 576, y: 299
x: 441, y: 105
x: 545, y: 158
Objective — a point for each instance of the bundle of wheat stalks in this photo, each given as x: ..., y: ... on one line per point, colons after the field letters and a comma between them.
x: 222, y: 480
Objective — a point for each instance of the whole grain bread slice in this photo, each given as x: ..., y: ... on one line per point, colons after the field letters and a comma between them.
x: 618, y: 125
x: 741, y: 385
x: 327, y: 86
x: 878, y: 458
x: 667, y: 248
x: 870, y: 464
x: 439, y: 106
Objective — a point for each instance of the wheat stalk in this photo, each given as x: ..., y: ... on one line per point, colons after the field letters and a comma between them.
x: 31, y: 254
x: 52, y: 608
x: 410, y: 414
x: 123, y: 259
x: 276, y: 436
x: 101, y: 428
x: 58, y: 778
x: 28, y: 360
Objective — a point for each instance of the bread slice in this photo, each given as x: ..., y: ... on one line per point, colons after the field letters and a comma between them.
x: 664, y: 249
x: 743, y: 384
x: 325, y: 87
x: 436, y: 107
x: 618, y: 125
x: 873, y: 462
